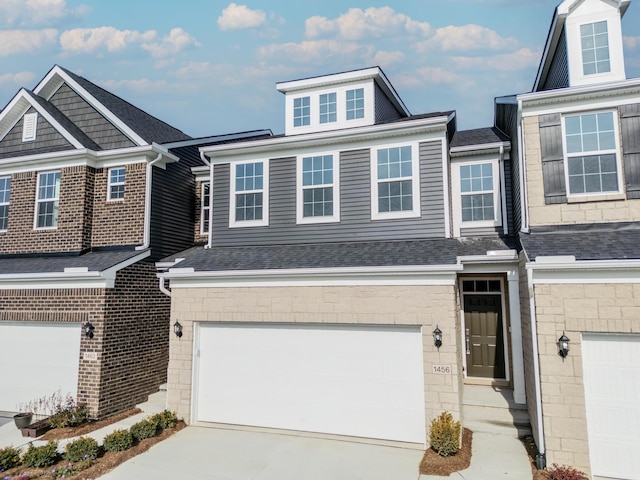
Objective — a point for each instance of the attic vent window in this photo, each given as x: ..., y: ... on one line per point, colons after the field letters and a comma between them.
x: 29, y: 126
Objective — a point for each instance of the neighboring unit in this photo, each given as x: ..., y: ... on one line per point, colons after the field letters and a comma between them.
x: 579, y: 160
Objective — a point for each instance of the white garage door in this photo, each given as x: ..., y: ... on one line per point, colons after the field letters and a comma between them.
x: 358, y: 381
x: 37, y: 360
x: 611, y: 366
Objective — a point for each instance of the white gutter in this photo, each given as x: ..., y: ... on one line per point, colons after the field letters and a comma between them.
x: 503, y: 188
x: 147, y: 205
x: 524, y: 207
x: 203, y: 157
x: 162, y: 288
x: 536, y: 365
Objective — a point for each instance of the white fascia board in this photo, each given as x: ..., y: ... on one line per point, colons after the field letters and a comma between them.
x: 584, y: 271
x: 145, y: 153
x: 328, y: 80
x: 54, y: 78
x: 481, y: 149
x: 492, y: 256
x: 201, y: 173
x: 332, y: 139
x: 412, y: 275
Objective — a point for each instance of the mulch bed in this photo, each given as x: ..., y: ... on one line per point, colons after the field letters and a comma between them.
x: 434, y: 464
x: 532, y: 450
x: 69, y: 432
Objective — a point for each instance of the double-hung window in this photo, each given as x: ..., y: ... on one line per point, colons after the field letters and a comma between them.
x: 249, y: 199
x: 595, y: 48
x: 5, y: 190
x: 395, y: 184
x: 318, y: 191
x: 477, y: 190
x: 591, y: 154
x: 116, y: 183
x: 328, y: 108
x: 47, y: 199
x: 355, y: 104
x: 301, y: 111
x: 205, y: 199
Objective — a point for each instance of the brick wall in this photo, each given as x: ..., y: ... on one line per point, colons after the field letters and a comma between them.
x: 378, y: 305
x: 575, y: 309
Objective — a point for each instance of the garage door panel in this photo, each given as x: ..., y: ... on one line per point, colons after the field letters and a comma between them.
x: 611, y: 366
x: 364, y: 381
x: 42, y: 359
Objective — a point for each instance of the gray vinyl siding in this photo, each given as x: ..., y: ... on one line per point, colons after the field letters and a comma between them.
x: 47, y: 140
x: 552, y: 159
x: 355, y: 209
x: 630, y: 129
x: 384, y: 109
x: 507, y: 122
x: 88, y: 119
x: 558, y: 75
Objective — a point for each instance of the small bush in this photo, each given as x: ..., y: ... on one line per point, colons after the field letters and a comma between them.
x: 561, y: 472
x: 68, y: 414
x: 118, y: 441
x: 164, y: 419
x: 41, y: 457
x: 444, y: 435
x: 144, y: 429
x: 84, y: 448
x: 9, y: 458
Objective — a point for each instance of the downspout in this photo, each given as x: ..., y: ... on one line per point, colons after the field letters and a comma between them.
x: 541, y: 458
x: 162, y: 288
x: 524, y: 208
x: 146, y: 240
x: 203, y: 157
x: 503, y: 188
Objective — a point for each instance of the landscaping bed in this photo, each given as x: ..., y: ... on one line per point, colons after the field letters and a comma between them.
x: 434, y: 464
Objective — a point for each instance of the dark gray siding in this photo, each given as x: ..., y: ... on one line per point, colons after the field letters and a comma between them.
x: 355, y: 209
x: 507, y: 122
x: 384, y: 109
x: 47, y: 140
x: 88, y: 119
x: 552, y: 159
x: 558, y: 75
x: 630, y: 129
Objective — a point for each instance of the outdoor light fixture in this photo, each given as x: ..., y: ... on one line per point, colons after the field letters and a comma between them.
x: 437, y: 337
x: 563, y: 345
x: 177, y: 329
x: 88, y: 330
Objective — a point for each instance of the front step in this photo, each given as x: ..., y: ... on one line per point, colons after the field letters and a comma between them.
x: 156, y: 402
x: 504, y: 421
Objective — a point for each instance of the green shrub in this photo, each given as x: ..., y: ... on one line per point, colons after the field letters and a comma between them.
x: 444, y: 435
x: 164, y: 419
x: 144, y: 429
x: 558, y: 472
x: 41, y: 457
x: 118, y: 441
x: 84, y: 448
x: 9, y: 458
x: 68, y: 414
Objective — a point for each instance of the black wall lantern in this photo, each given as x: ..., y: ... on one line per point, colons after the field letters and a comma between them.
x: 177, y: 329
x: 437, y: 337
x: 88, y: 330
x: 563, y: 345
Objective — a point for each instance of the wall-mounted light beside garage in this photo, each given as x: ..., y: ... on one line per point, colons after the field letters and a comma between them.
x: 563, y: 345
x: 437, y: 337
x: 88, y: 330
x: 177, y: 329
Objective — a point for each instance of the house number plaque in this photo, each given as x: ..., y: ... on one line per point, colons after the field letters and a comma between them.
x: 90, y: 356
x: 441, y: 369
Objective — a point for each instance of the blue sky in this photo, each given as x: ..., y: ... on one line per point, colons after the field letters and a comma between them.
x: 209, y: 67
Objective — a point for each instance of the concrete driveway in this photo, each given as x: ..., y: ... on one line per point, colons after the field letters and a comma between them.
x: 220, y: 454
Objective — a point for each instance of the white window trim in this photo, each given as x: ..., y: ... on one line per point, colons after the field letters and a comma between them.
x: 301, y: 219
x: 335, y: 103
x: 114, y: 184
x: 3, y: 204
x: 415, y: 179
x: 617, y: 152
x: 346, y: 105
x: 265, y: 196
x: 204, y: 210
x: 458, y: 223
x: 29, y: 126
x: 293, y: 111
x: 38, y: 201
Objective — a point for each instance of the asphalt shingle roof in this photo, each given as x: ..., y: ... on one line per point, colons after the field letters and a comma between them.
x: 335, y: 255
x: 478, y: 136
x: 610, y: 241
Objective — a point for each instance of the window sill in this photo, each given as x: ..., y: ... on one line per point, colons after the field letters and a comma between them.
x: 394, y: 215
x: 607, y: 197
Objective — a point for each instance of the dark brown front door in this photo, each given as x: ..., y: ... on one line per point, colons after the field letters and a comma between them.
x: 483, y: 336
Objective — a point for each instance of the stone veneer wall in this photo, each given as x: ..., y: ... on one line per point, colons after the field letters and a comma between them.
x: 402, y: 305
x: 596, y: 211
x: 604, y: 308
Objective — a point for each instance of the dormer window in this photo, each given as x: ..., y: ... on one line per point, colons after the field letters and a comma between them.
x: 355, y: 103
x: 301, y: 111
x: 595, y: 48
x: 328, y: 108
x: 29, y: 127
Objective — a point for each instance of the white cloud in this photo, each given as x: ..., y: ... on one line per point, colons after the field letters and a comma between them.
x: 36, y: 12
x: 467, y: 37
x: 631, y: 42
x: 14, y: 42
x: 20, y: 78
x: 437, y: 75
x: 86, y: 40
x: 176, y: 41
x: 324, y: 51
x: 238, y: 17
x: 523, y: 58
x: 384, y: 59
x: 358, y: 23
